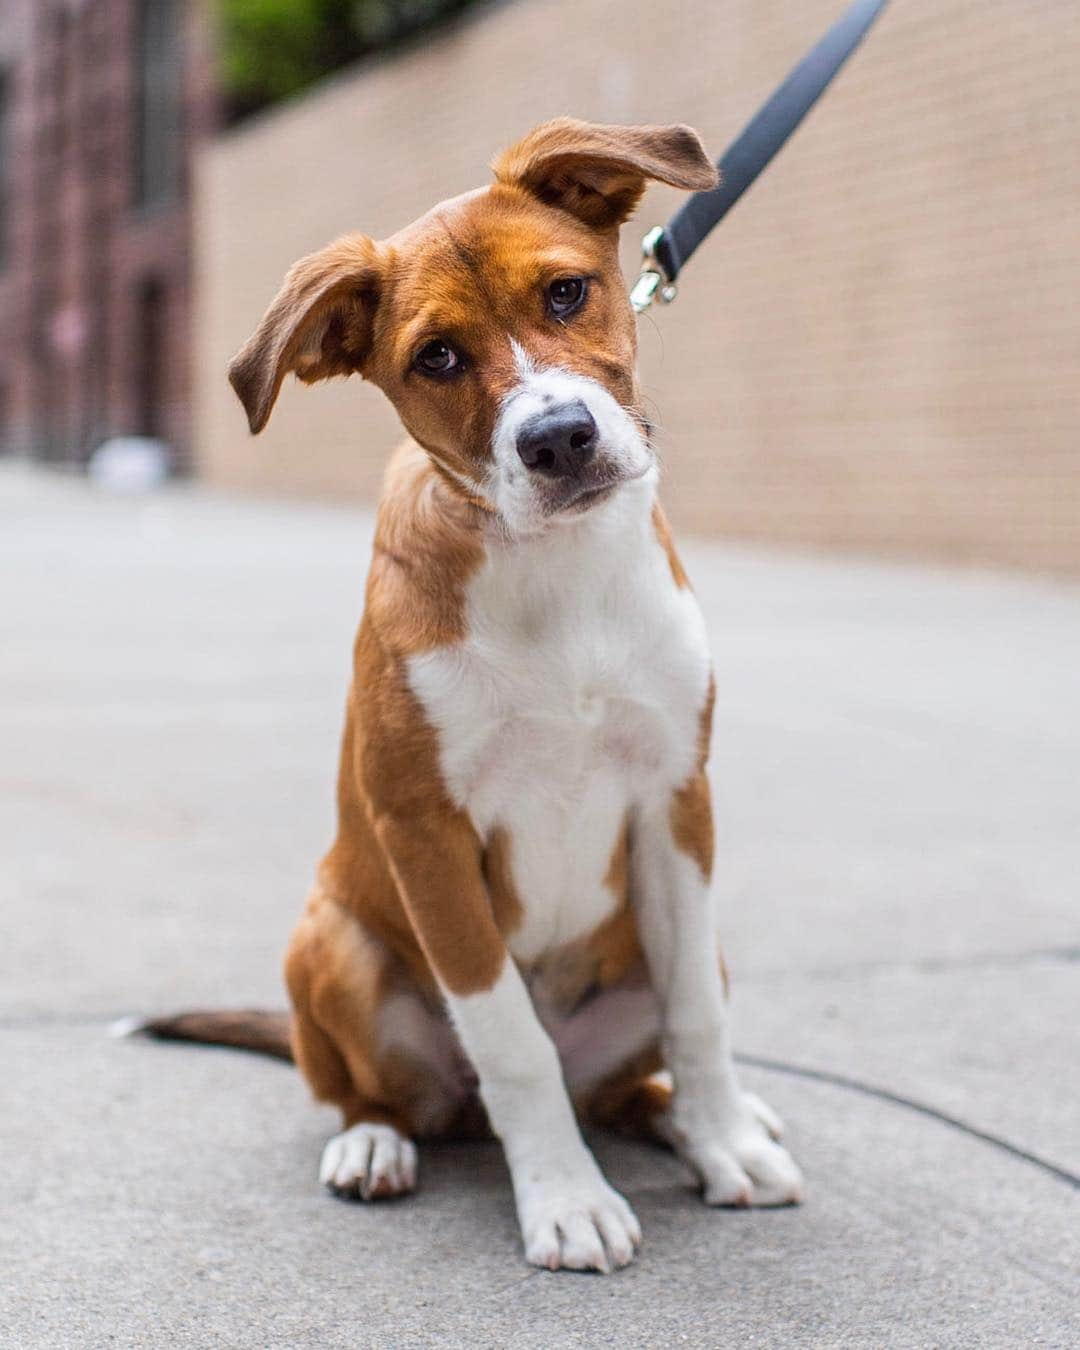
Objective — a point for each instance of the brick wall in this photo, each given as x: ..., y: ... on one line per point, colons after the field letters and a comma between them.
x: 878, y: 350
x: 85, y: 260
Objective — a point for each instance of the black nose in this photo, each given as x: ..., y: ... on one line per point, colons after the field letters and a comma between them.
x: 559, y: 441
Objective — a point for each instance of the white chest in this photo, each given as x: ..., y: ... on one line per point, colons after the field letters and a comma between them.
x: 575, y: 696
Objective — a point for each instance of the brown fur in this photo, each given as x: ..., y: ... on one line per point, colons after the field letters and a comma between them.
x: 663, y: 532
x: 266, y: 1033
x: 499, y: 878
x: 631, y: 1099
x: 409, y: 897
x: 598, y: 173
x: 691, y: 807
x: 319, y: 325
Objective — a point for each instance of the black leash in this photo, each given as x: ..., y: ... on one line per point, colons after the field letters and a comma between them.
x: 668, y: 248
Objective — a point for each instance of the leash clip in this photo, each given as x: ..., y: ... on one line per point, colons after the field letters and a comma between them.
x: 653, y: 283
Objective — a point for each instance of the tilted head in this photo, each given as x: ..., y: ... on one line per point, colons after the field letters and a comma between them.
x: 497, y: 324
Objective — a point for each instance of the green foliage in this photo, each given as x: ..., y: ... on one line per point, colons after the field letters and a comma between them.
x: 271, y: 49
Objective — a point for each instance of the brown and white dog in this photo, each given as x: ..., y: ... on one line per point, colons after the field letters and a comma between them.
x: 513, y: 926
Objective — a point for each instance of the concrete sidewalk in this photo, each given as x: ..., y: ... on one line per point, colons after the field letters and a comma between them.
x: 897, y: 759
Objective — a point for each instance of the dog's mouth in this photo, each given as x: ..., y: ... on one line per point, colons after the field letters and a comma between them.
x: 588, y: 498
x: 580, y: 495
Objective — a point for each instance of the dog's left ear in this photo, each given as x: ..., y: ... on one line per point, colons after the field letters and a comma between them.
x: 319, y: 325
x: 598, y: 173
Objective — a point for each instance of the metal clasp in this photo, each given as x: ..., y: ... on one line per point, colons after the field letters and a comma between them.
x: 652, y: 284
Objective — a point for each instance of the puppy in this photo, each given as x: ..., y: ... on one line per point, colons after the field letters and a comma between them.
x: 513, y: 927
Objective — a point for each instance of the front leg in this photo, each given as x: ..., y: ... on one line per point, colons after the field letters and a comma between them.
x: 569, y: 1216
x: 726, y: 1136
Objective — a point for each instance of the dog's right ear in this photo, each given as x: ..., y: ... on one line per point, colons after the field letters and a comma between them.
x: 598, y: 173
x: 319, y: 325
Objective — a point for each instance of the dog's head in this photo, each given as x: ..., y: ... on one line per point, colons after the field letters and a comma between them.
x: 498, y: 323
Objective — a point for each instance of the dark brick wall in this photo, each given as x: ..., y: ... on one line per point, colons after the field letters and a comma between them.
x: 84, y: 260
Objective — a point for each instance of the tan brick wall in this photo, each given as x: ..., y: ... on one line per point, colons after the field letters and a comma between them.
x: 878, y: 350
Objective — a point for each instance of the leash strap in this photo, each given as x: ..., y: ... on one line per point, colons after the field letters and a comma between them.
x: 668, y: 248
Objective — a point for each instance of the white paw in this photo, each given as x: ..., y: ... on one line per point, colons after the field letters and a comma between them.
x: 743, y: 1164
x: 583, y: 1225
x: 371, y: 1162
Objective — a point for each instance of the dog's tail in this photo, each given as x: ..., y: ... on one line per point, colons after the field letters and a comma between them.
x: 265, y: 1033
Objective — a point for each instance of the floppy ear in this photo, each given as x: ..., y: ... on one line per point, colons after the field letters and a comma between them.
x: 598, y: 173
x: 318, y: 325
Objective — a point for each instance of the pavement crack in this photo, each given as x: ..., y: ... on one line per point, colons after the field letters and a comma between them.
x: 1071, y: 1179
x: 513, y: 1285
x: 826, y: 1076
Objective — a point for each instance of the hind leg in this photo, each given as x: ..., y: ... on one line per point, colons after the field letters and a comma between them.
x: 634, y: 1101
x: 372, y: 1158
x: 367, y: 1043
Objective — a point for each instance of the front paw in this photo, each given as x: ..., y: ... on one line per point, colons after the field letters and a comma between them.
x: 577, y: 1224
x: 743, y: 1163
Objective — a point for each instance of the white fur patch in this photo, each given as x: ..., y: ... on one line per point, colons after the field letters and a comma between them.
x: 575, y: 696
x: 621, y: 450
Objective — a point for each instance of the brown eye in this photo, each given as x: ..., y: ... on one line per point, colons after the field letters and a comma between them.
x: 566, y: 295
x: 436, y: 358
